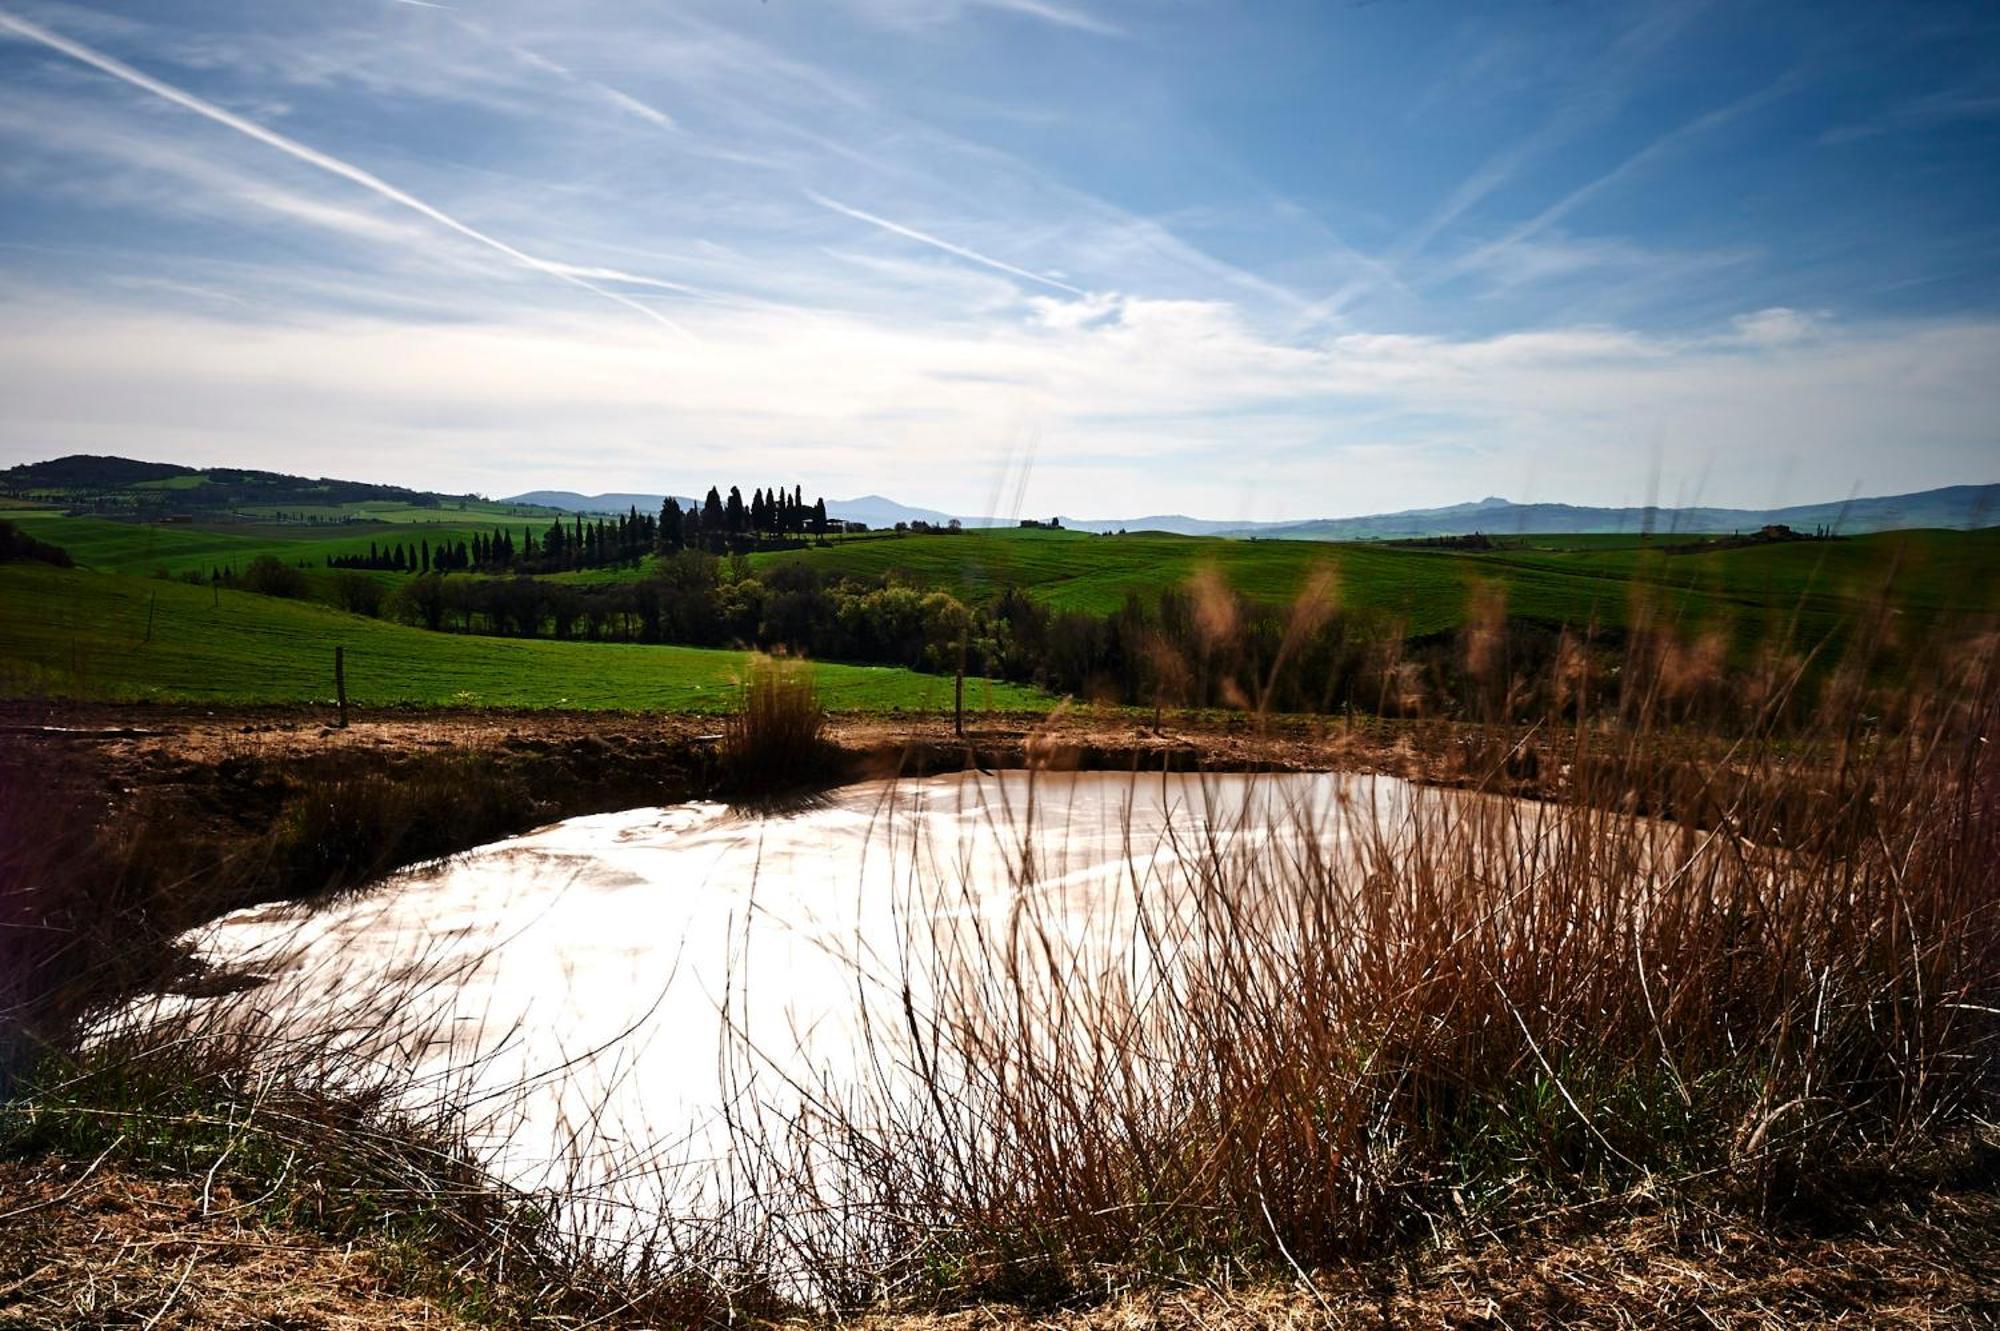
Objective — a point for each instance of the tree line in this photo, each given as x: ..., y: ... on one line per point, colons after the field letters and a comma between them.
x: 770, y: 520
x: 1202, y: 646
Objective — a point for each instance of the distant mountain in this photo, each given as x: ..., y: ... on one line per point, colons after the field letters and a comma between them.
x: 1956, y: 506
x: 569, y: 501
x: 1177, y: 523
x: 118, y: 486
x: 879, y: 511
x: 875, y: 510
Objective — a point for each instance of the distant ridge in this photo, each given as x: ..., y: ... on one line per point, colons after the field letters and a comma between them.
x: 1959, y: 507
x: 875, y: 510
x: 569, y: 501
x: 150, y: 487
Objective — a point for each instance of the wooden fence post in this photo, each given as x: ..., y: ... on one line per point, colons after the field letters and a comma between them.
x: 340, y: 682
x: 958, y: 693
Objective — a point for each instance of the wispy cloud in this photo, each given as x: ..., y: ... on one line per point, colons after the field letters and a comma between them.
x: 1592, y: 101
x: 924, y: 238
x: 118, y: 69
x: 1972, y: 102
x: 1660, y: 147
x: 1063, y: 16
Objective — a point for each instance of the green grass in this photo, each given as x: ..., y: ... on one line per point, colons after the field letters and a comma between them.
x: 1578, y: 581
x: 79, y: 634
x: 1805, y: 589
x: 454, y: 513
x: 144, y: 547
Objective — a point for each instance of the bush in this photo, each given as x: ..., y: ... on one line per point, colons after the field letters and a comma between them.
x: 268, y: 575
x: 358, y: 594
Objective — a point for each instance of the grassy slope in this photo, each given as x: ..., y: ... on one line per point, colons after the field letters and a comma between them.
x: 1428, y: 589
x: 1573, y: 580
x: 82, y: 635
x: 144, y: 548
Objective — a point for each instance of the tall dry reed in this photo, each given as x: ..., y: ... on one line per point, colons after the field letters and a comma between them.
x: 1323, y: 1031
x: 775, y: 740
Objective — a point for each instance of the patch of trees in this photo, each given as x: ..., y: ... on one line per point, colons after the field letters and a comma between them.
x: 16, y: 546
x: 1185, y: 647
x: 1477, y: 540
x: 770, y: 520
x: 1776, y: 533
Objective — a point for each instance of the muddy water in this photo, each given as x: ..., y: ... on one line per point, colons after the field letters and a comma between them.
x: 639, y: 978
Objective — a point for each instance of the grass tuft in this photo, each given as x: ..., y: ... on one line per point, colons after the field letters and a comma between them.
x: 775, y: 743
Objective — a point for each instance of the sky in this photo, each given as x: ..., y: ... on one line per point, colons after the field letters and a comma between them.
x: 1099, y: 257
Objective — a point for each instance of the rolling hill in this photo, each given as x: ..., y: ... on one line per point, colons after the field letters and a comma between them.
x: 125, y: 487
x: 71, y: 633
x: 1956, y: 507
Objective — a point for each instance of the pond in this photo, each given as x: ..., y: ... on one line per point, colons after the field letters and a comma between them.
x: 622, y: 998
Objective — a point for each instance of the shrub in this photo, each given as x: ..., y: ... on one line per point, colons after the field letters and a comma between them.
x: 358, y: 594
x: 268, y: 575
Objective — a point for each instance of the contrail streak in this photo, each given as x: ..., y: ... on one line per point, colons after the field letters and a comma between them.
x: 118, y: 69
x: 973, y: 256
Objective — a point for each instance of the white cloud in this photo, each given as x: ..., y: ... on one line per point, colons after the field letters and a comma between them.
x: 1179, y: 393
x: 1776, y: 326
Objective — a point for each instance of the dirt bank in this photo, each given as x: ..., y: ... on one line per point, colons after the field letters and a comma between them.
x: 87, y: 1246
x: 223, y: 782
x: 123, y: 751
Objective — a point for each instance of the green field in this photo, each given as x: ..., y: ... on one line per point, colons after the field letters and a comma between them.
x: 1427, y: 589
x: 83, y: 634
x: 78, y: 634
x: 110, y: 546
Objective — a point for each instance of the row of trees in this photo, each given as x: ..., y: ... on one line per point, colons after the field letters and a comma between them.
x: 414, y: 558
x: 1167, y: 651
x: 1196, y: 645
x: 771, y: 519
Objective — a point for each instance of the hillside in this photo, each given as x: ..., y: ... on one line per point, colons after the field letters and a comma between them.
x: 96, y: 636
x: 117, y: 487
x: 1579, y: 581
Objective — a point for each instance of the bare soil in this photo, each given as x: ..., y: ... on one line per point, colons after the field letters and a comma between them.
x: 120, y: 752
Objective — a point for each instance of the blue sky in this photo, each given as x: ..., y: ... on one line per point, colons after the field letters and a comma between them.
x: 1106, y: 257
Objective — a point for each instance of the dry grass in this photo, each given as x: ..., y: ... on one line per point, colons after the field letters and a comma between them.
x: 775, y: 743
x: 110, y: 1248
x: 1726, y: 1039
x: 1486, y: 1010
